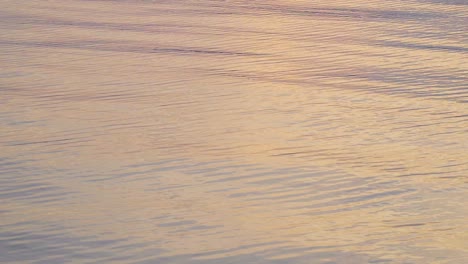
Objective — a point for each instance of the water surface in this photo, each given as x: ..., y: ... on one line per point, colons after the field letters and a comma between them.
x: 234, y: 131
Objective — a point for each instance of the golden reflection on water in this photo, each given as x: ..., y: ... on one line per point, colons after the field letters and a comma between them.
x: 243, y: 132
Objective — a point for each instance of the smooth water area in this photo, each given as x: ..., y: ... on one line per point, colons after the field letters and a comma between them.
x: 281, y: 131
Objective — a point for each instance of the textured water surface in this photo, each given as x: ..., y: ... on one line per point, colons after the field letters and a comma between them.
x: 191, y: 131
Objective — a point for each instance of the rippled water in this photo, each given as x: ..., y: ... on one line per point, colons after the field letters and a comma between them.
x: 188, y: 131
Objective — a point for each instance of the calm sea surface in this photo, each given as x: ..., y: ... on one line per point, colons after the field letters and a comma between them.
x: 280, y: 131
